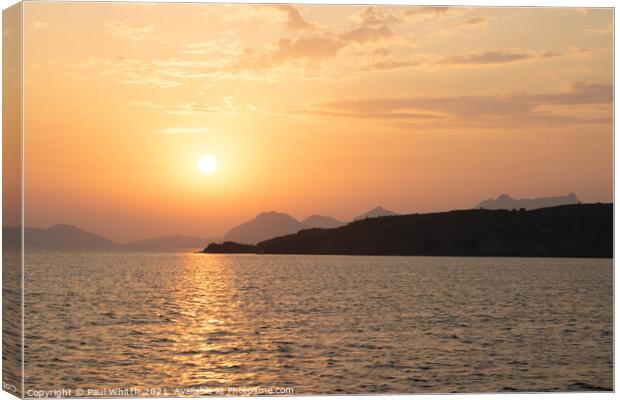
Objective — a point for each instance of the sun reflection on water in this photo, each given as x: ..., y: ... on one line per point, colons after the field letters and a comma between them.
x: 317, y: 324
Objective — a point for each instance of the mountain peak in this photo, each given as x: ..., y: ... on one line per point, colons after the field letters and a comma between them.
x: 66, y: 236
x: 269, y: 213
x: 272, y: 214
x: 265, y: 225
x: 65, y: 227
x: 505, y: 202
x: 376, y: 212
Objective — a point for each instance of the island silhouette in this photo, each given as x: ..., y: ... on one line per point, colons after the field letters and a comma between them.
x: 583, y: 230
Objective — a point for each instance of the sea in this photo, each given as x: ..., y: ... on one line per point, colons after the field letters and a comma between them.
x: 125, y: 323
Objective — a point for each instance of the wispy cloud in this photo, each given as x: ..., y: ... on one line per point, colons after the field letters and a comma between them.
x: 365, y: 34
x: 522, y: 110
x: 131, y: 30
x: 600, y: 31
x: 227, y: 45
x: 389, y: 64
x: 430, y: 12
x: 500, y: 56
x: 156, y: 73
x: 304, y: 52
x: 151, y: 80
x: 487, y: 57
x: 474, y: 22
x: 227, y: 106
x: 287, y: 15
x: 373, y: 15
x: 384, y: 61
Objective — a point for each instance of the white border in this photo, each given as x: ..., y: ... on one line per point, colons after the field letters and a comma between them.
x: 488, y: 3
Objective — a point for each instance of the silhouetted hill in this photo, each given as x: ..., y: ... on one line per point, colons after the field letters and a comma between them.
x: 264, y: 226
x: 321, y: 221
x: 61, y: 236
x: 168, y: 242
x: 584, y: 230
x: 505, y: 202
x: 230, y: 248
x: 376, y: 212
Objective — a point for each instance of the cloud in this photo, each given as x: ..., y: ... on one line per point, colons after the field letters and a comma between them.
x: 294, y: 20
x: 366, y: 34
x: 487, y: 57
x: 286, y: 14
x: 370, y: 115
x: 193, y: 108
x: 229, y: 105
x: 373, y: 15
x: 474, y: 22
x: 183, y: 131
x: 382, y: 52
x: 501, y: 56
x: 129, y: 30
x: 156, y: 73
x: 163, y: 73
x: 304, y: 52
x: 226, y: 107
x: 580, y: 93
x: 308, y: 48
x: 389, y: 64
x: 225, y: 45
x: 384, y: 61
x: 151, y: 80
x: 511, y: 110
x: 225, y: 58
x: 429, y: 12
x: 600, y: 31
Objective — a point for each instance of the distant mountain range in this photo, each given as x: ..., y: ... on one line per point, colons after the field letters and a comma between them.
x: 72, y: 237
x: 584, y: 230
x: 505, y: 202
x: 268, y: 225
x: 61, y: 235
x: 264, y: 226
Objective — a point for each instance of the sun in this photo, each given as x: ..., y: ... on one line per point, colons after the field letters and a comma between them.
x: 207, y: 164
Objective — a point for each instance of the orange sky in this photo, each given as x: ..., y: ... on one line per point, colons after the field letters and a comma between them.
x: 308, y: 109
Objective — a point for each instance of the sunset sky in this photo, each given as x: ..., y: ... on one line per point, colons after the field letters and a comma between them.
x: 329, y: 110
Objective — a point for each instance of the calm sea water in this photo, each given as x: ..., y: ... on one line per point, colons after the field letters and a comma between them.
x: 318, y: 324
